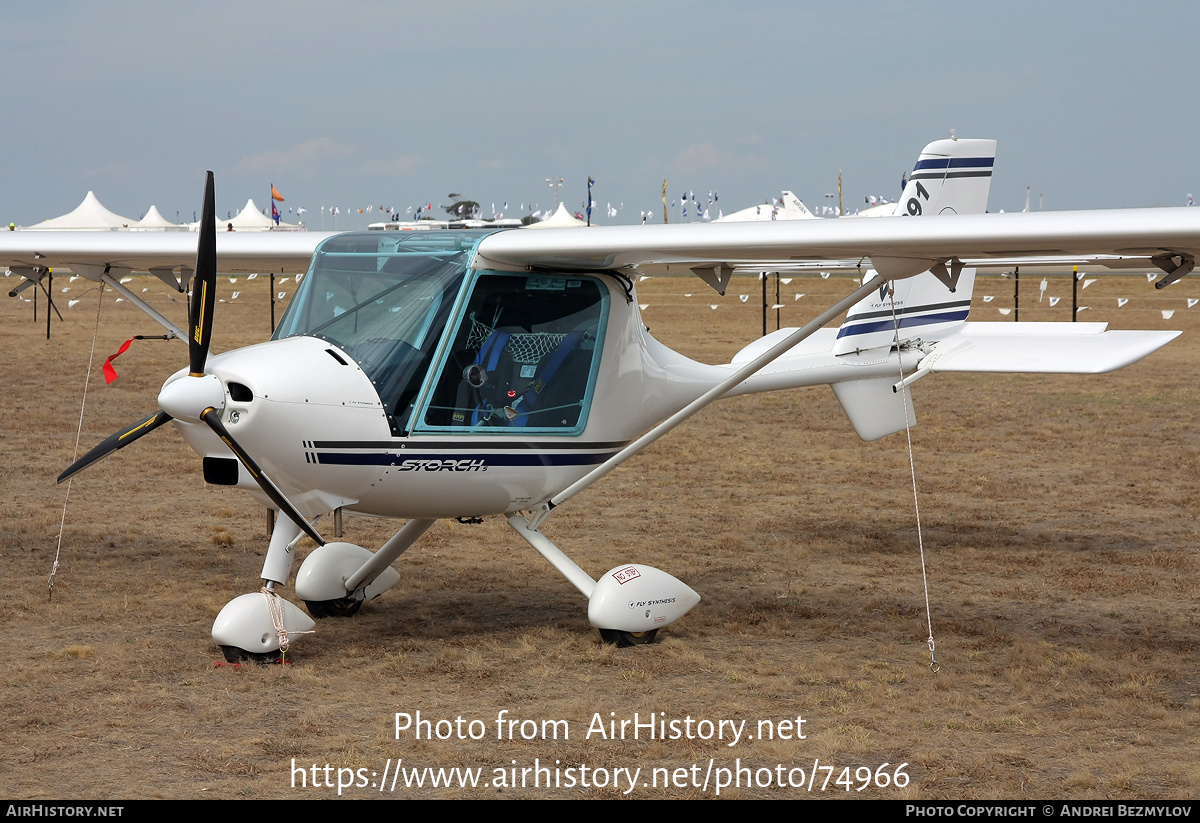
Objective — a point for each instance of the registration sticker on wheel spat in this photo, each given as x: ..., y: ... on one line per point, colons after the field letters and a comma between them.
x: 626, y: 574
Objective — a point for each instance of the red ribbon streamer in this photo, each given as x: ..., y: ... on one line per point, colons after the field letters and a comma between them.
x: 110, y: 374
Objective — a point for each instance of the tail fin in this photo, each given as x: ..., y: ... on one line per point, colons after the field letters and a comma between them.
x: 951, y: 177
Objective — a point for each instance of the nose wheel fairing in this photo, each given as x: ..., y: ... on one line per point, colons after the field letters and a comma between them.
x: 258, y: 626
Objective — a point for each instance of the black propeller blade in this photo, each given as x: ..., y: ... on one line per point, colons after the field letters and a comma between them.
x: 117, y: 441
x: 200, y: 311
x: 204, y: 283
x: 213, y: 419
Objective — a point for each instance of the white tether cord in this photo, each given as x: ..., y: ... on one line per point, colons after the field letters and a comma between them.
x: 933, y: 664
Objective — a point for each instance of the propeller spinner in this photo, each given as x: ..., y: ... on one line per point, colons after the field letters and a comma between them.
x: 200, y: 396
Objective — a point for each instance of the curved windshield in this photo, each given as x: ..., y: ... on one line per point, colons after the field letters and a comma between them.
x: 384, y: 300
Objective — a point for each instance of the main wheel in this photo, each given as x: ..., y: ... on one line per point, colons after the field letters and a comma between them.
x: 342, y: 607
x: 233, y: 654
x: 624, y: 640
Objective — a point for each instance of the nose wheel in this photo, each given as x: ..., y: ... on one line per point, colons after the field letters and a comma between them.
x: 623, y: 640
x: 233, y: 654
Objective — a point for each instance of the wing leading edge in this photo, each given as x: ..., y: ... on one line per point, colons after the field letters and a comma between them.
x: 894, y: 247
x: 263, y: 252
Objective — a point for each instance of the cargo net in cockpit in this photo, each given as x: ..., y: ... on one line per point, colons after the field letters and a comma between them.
x: 525, y: 348
x: 478, y: 335
x: 528, y: 348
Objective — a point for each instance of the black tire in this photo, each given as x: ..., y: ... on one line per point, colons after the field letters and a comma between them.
x: 234, y: 654
x: 623, y: 640
x: 342, y: 607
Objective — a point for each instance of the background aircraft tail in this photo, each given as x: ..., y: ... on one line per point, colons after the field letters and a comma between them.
x: 950, y: 177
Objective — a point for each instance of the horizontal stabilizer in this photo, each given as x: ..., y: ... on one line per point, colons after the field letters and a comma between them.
x: 1043, y: 348
x: 865, y: 382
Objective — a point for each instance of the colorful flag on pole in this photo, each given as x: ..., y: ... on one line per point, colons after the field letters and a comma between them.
x: 275, y: 195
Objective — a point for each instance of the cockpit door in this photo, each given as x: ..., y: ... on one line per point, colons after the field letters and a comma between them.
x: 523, y: 358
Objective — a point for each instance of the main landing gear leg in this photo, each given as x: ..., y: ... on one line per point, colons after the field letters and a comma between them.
x: 629, y: 604
x: 257, y: 626
x: 336, y: 578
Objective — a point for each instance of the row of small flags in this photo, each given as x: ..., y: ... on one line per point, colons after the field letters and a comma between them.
x: 987, y: 298
x: 334, y: 211
x: 1166, y: 313
x: 124, y: 280
x: 1121, y: 301
x: 688, y: 197
x: 536, y: 213
x: 416, y: 212
x: 702, y: 214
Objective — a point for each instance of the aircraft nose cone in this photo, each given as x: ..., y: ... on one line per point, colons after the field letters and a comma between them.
x: 187, y: 397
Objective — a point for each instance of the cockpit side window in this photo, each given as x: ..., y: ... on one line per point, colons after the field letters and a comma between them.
x: 523, y: 358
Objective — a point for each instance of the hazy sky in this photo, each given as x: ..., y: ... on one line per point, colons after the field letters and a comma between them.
x: 1094, y: 105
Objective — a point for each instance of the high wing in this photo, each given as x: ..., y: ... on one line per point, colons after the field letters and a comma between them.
x: 169, y: 255
x: 1101, y: 234
x: 1166, y: 237
x: 281, y: 252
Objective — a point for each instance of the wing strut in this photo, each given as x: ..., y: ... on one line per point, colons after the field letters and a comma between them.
x: 106, y: 274
x: 542, y: 512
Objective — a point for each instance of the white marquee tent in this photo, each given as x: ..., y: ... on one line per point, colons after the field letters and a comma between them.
x: 154, y: 221
x: 561, y: 219
x: 250, y: 218
x: 89, y: 215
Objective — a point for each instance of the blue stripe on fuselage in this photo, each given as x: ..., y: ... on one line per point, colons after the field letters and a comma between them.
x: 509, y: 459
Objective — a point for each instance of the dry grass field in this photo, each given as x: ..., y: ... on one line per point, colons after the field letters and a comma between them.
x: 1059, y: 518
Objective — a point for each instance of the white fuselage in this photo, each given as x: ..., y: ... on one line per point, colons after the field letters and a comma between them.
x: 314, y: 419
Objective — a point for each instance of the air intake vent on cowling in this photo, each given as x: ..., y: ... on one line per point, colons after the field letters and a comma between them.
x: 240, y: 393
x: 220, y: 471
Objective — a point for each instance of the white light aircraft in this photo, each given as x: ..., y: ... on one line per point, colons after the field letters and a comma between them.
x: 428, y: 375
x: 789, y: 207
